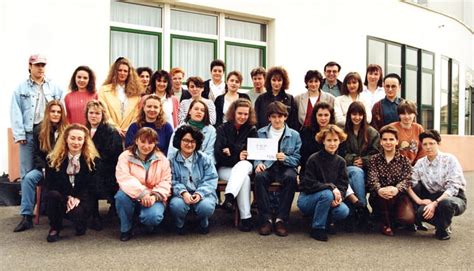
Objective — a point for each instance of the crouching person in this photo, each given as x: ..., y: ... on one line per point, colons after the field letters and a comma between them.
x: 283, y: 170
x: 70, y: 173
x: 144, y: 177
x: 324, y: 184
x: 194, y: 180
x: 438, y: 186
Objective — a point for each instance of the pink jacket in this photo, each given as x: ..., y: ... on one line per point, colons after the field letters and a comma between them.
x: 136, y: 182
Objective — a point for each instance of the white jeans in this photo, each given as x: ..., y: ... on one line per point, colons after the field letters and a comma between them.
x: 238, y: 184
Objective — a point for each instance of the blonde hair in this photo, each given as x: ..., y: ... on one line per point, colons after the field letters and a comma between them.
x: 46, y: 128
x: 96, y: 104
x: 60, y: 151
x: 330, y: 129
x: 133, y: 87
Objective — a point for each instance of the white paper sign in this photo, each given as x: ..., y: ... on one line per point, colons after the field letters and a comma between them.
x: 262, y: 148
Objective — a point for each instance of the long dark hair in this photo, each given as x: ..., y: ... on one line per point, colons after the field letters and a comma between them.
x: 314, y: 121
x: 358, y: 107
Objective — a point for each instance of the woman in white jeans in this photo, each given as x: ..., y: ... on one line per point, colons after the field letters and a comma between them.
x: 230, y: 152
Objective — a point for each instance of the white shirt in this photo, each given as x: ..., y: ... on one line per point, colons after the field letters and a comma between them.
x: 216, y: 89
x: 374, y: 97
x: 341, y: 105
x: 276, y: 134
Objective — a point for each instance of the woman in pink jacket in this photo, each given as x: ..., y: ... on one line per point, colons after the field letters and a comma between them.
x: 144, y: 177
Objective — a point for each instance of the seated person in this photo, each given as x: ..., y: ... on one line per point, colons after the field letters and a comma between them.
x: 438, y: 186
x: 144, y: 176
x: 283, y: 170
x: 388, y: 180
x: 194, y: 180
x: 325, y: 183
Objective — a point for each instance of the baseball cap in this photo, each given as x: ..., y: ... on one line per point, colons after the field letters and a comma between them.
x: 35, y: 59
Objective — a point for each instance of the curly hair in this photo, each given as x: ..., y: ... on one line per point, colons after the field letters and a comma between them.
x: 314, y: 120
x: 89, y: 152
x: 133, y: 87
x: 158, y: 75
x: 187, y: 129
x: 241, y: 102
x: 331, y: 129
x: 96, y: 104
x: 160, y: 119
x: 90, y: 85
x: 46, y: 127
x: 277, y: 71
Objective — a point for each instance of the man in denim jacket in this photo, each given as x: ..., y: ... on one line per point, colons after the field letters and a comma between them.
x: 27, y: 110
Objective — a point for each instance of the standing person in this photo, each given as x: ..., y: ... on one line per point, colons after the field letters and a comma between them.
x: 71, y: 172
x: 144, y: 176
x: 195, y: 88
x: 385, y: 111
x: 145, y: 74
x: 28, y: 106
x: 198, y: 117
x: 230, y: 152
x: 276, y: 84
x: 152, y: 116
x: 389, y: 177
x: 108, y: 143
x: 45, y: 135
x: 222, y: 103
x: 121, y: 94
x: 322, y: 116
x: 258, y: 81
x: 438, y: 186
x: 177, y: 76
x: 283, y: 170
x: 161, y: 85
x: 325, y: 184
x: 82, y: 90
x: 194, y: 180
x: 373, y: 90
x: 307, y: 101
x: 408, y: 132
x: 331, y: 84
x: 351, y: 89
x: 215, y: 86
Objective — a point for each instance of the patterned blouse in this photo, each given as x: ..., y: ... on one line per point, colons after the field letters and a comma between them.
x: 396, y: 173
x: 443, y: 174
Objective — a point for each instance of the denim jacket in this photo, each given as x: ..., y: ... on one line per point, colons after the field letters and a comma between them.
x: 204, y: 175
x: 22, y: 110
x: 207, y: 146
x: 290, y: 145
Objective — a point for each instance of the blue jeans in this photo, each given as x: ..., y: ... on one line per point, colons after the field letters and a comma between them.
x: 28, y: 191
x: 203, y: 209
x: 319, y: 206
x: 357, y: 181
x: 26, y: 155
x: 126, y: 206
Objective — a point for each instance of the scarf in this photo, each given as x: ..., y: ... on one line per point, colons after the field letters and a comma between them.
x: 73, y: 167
x: 197, y: 124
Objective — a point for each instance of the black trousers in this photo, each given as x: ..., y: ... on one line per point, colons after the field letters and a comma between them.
x: 284, y: 175
x: 56, y: 209
x: 447, y: 208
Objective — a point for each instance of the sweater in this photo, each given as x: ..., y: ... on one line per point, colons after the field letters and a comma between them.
x: 75, y: 103
x: 236, y: 140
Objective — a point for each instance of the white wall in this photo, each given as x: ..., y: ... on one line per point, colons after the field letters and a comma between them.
x: 302, y: 35
x: 70, y: 33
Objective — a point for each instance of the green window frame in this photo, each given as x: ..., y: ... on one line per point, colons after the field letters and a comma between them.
x: 246, y: 84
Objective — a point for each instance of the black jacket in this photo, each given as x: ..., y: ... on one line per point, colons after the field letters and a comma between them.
x: 219, y: 102
x: 227, y: 136
x: 39, y: 157
x: 108, y: 143
x: 325, y: 171
x: 266, y: 98
x: 83, y: 181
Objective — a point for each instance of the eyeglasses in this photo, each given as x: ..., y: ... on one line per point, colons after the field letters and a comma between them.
x: 391, y: 86
x: 188, y: 141
x: 331, y: 71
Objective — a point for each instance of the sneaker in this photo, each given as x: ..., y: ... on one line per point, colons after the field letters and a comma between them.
x: 265, y: 228
x: 442, y: 234
x: 245, y: 225
x: 319, y: 234
x: 26, y: 223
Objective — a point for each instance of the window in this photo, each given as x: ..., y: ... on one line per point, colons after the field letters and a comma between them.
x: 136, y: 34
x: 415, y: 66
x: 469, y: 103
x: 449, y: 96
x: 190, y: 39
x: 245, y: 47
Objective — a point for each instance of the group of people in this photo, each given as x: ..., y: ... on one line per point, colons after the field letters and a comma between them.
x: 144, y: 143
